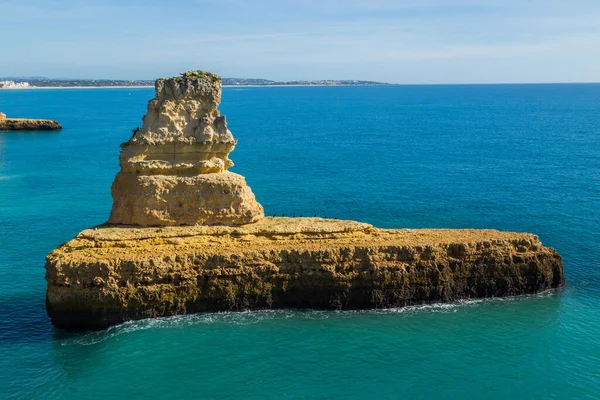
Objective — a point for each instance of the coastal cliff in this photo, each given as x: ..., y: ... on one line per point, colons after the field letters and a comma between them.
x: 108, y: 275
x: 186, y: 235
x: 23, y: 124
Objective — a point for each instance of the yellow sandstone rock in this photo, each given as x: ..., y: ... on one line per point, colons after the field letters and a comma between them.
x: 108, y: 274
x: 143, y: 263
x: 174, y: 169
x: 24, y: 124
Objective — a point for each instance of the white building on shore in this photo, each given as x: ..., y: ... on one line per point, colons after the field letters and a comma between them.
x: 13, y: 85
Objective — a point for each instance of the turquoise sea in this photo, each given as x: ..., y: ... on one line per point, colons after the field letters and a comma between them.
x: 512, y: 157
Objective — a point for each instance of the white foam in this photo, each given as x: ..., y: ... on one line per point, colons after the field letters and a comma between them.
x: 7, y: 177
x: 255, y: 317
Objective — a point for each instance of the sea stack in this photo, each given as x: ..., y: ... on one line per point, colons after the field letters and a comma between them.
x: 186, y: 235
x: 174, y: 169
x: 24, y: 124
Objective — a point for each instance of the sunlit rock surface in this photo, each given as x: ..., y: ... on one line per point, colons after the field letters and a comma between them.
x: 186, y: 235
x: 174, y: 169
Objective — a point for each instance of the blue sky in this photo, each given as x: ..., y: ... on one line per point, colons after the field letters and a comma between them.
x: 427, y: 41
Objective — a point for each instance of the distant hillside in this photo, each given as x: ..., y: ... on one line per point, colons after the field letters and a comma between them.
x: 326, y: 82
x: 60, y: 82
x: 246, y: 81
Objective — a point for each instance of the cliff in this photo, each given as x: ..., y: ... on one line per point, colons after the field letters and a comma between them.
x: 23, y: 124
x: 108, y: 275
x: 186, y: 235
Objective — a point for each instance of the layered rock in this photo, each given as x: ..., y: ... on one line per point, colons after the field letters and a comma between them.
x: 174, y: 170
x: 108, y: 275
x: 24, y: 124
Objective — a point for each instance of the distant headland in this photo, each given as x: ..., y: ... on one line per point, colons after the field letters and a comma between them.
x: 42, y: 82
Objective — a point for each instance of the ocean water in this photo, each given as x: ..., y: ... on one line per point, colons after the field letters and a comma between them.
x: 512, y: 157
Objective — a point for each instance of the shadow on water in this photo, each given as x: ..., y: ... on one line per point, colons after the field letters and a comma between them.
x: 480, y: 320
x: 23, y: 319
x: 29, y: 133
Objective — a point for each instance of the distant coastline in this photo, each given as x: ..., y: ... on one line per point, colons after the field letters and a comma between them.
x: 50, y: 83
x: 298, y: 85
x: 151, y: 87
x: 75, y: 87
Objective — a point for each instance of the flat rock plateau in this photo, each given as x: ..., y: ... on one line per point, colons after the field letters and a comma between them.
x: 24, y: 124
x: 109, y: 274
x: 186, y: 235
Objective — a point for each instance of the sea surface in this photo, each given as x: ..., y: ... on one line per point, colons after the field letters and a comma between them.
x: 511, y: 157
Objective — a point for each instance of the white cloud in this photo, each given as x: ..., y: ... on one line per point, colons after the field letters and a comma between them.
x: 398, y: 41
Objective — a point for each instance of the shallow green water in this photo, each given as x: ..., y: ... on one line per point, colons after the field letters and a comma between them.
x: 515, y: 157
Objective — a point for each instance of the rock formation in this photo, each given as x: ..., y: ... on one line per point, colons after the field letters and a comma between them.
x: 174, y: 170
x: 23, y: 124
x: 229, y: 257
x: 109, y: 275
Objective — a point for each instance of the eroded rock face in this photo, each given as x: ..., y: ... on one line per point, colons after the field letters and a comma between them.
x: 174, y: 168
x: 2, y: 116
x: 109, y: 275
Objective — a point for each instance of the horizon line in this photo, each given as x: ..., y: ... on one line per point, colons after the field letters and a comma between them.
x: 283, y: 83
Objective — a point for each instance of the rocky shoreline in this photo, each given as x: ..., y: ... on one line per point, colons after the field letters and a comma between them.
x: 187, y: 235
x: 24, y: 124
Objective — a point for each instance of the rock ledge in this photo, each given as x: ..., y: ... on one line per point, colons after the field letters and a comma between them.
x: 107, y: 275
x: 23, y: 124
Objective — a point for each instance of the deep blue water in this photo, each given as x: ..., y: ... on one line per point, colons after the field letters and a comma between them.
x: 512, y: 157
